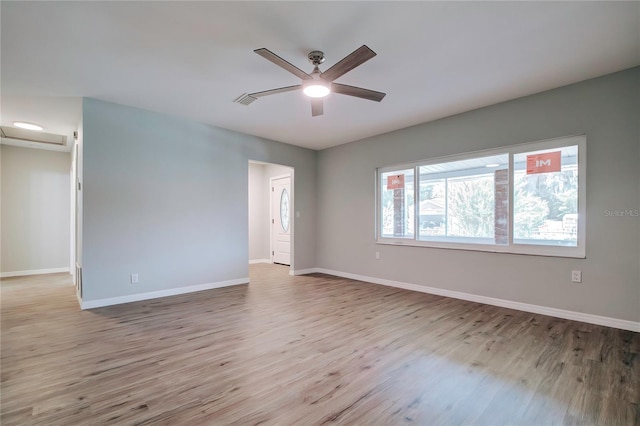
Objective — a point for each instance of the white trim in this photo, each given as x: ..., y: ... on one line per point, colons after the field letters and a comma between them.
x: 33, y: 272
x: 251, y: 262
x: 90, y: 304
x: 526, y: 307
x: 72, y: 211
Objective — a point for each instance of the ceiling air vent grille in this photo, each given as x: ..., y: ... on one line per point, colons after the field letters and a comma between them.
x: 32, y: 136
x: 244, y: 99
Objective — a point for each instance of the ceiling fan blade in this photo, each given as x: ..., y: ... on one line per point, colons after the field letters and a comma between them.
x: 270, y: 56
x: 317, y: 107
x: 358, y: 92
x: 274, y: 91
x: 349, y: 62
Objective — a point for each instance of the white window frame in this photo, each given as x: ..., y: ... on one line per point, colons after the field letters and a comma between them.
x: 578, y: 251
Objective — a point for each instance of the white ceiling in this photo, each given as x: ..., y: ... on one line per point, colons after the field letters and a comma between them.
x: 192, y: 59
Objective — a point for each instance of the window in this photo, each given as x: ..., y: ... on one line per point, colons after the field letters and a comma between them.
x: 457, y: 199
x: 397, y: 204
x: 546, y: 204
x: 467, y: 201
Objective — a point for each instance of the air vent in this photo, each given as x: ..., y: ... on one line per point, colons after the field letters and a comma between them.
x: 32, y: 136
x: 245, y: 99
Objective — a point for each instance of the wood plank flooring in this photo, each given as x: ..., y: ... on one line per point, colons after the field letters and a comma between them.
x: 308, y: 350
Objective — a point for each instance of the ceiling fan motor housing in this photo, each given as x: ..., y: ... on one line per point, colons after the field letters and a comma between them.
x: 316, y: 57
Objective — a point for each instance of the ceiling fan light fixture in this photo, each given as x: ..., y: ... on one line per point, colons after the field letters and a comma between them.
x: 316, y: 88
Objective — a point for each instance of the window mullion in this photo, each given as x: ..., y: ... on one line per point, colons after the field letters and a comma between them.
x: 446, y: 207
x: 512, y: 189
x: 416, y: 202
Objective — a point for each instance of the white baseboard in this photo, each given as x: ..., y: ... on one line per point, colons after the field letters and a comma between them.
x: 304, y: 271
x: 526, y: 307
x: 33, y: 272
x: 251, y: 262
x: 98, y: 303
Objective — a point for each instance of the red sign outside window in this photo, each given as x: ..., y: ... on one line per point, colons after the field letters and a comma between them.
x: 395, y: 182
x: 543, y: 163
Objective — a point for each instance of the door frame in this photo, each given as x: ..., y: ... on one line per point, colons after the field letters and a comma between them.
x: 292, y: 216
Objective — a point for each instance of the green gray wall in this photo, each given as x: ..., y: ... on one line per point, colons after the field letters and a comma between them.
x: 167, y: 198
x: 35, y: 210
x: 606, y: 109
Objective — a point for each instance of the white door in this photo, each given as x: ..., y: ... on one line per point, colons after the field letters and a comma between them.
x: 281, y: 220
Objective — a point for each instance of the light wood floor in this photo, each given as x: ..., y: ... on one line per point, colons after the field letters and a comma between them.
x: 306, y: 351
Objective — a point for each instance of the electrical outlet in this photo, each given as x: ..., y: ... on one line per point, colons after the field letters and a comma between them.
x: 377, y: 255
x: 134, y: 278
x: 576, y: 276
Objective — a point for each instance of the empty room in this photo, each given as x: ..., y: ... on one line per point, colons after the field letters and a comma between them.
x: 306, y: 213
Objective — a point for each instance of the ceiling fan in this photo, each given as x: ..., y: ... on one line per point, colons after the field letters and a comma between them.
x: 319, y: 84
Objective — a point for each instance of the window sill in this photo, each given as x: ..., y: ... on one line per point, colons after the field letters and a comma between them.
x: 518, y: 249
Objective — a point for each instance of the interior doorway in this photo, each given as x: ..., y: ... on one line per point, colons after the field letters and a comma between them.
x: 271, y: 213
